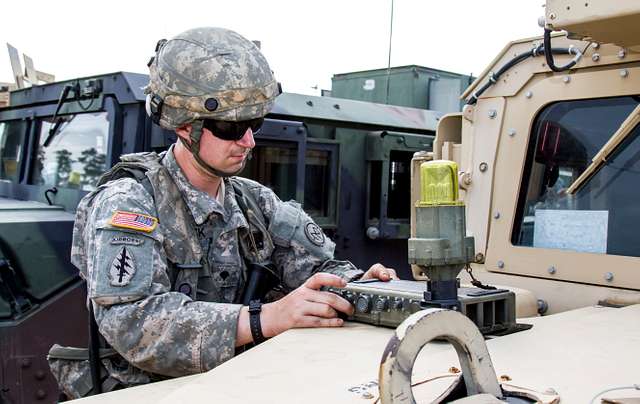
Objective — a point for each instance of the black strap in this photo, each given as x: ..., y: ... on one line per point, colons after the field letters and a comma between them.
x: 255, y: 308
x: 94, y: 351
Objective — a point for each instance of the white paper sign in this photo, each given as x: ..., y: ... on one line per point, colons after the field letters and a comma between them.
x: 369, y: 84
x: 576, y: 230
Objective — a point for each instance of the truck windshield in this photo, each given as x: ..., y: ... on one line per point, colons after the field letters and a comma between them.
x: 77, y: 155
x: 12, y: 135
x: 603, y: 215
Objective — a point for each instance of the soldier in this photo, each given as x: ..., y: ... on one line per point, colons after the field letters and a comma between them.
x: 169, y: 243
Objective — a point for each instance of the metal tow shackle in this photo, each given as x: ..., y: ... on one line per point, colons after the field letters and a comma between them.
x: 418, y: 330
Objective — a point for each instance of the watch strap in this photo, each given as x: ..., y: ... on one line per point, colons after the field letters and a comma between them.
x: 255, y: 308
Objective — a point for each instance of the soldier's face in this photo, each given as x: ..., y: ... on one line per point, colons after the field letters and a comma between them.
x: 228, y: 156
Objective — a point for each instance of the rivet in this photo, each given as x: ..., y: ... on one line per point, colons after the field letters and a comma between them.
x: 493, y: 113
x: 40, y: 375
x: 500, y: 264
x: 608, y: 276
x: 551, y: 270
x: 41, y: 394
x: 622, y: 53
x: 624, y: 73
x: 512, y: 132
x: 26, y: 363
x: 483, y: 167
x: 528, y: 94
x: 595, y: 57
x: 595, y: 45
x: 479, y: 257
x: 496, y: 215
x: 336, y: 106
x: 552, y: 16
x: 310, y: 103
x: 566, y: 79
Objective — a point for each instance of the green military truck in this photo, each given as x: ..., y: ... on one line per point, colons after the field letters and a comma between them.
x: 346, y: 161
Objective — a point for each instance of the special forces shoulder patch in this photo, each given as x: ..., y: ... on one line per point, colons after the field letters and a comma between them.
x: 134, y: 221
x: 122, y: 268
x: 314, y: 233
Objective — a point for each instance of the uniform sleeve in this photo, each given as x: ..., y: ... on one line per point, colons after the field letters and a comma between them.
x: 301, y: 247
x: 152, y: 327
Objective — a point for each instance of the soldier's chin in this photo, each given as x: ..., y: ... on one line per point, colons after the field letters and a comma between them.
x: 236, y: 171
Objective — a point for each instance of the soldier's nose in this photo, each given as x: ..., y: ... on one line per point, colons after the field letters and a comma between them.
x: 247, y: 140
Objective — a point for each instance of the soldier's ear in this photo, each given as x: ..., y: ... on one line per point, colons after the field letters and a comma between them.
x: 184, y: 132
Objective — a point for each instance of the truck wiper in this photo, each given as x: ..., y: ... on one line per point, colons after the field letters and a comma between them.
x: 600, y: 159
x: 58, y: 121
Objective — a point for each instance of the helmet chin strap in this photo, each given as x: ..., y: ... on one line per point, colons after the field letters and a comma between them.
x: 194, y: 148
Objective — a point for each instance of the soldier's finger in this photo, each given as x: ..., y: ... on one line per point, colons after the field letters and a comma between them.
x: 321, y: 310
x: 324, y: 279
x: 393, y: 273
x: 381, y: 272
x: 311, y: 321
x: 333, y: 300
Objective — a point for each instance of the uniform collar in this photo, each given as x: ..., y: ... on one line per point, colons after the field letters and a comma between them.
x: 200, y: 204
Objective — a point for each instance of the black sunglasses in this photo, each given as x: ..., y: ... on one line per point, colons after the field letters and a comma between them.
x: 229, y: 130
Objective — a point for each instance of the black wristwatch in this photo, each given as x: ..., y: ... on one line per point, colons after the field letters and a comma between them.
x: 255, y: 308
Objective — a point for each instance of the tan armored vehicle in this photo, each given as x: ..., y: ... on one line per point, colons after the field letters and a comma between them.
x: 535, y: 197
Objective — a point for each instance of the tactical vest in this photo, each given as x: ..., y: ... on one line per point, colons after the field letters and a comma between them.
x: 185, y: 259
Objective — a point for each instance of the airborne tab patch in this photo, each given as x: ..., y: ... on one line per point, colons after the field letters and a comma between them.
x: 134, y: 221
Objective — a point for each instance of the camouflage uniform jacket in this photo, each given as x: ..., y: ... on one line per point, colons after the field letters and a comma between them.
x: 135, y: 250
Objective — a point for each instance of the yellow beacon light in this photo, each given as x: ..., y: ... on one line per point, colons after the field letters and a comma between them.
x: 439, y: 183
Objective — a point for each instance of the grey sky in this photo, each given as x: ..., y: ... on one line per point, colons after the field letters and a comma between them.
x: 306, y: 42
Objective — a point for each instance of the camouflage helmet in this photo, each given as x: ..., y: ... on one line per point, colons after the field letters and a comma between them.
x: 209, y: 73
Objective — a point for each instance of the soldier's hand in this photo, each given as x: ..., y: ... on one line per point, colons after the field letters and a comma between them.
x: 306, y: 306
x: 379, y: 271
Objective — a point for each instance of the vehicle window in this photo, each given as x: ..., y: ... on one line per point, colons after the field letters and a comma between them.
x: 601, y: 217
x: 399, y: 184
x: 274, y: 166
x: 76, y: 156
x: 317, y: 183
x: 12, y: 135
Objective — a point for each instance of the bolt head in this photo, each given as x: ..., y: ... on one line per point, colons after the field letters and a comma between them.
x: 512, y: 132
x: 595, y: 45
x: 500, y: 264
x: 595, y: 57
x: 552, y: 16
x: 483, y: 167
x: 608, y: 276
x: 622, y: 53
x: 551, y: 270
x: 624, y: 73
x: 493, y: 113
x: 528, y: 94
x: 566, y: 79
x: 496, y: 215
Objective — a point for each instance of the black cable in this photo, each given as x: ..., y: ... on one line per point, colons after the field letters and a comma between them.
x: 82, y: 107
x: 537, y: 51
x: 549, y: 56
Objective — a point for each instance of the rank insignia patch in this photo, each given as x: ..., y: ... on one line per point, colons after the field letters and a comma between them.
x: 134, y: 221
x: 122, y: 268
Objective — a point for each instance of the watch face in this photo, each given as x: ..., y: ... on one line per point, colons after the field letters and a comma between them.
x: 255, y: 306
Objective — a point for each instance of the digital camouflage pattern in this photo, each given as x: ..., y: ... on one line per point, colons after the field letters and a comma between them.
x: 211, y: 63
x: 177, y: 314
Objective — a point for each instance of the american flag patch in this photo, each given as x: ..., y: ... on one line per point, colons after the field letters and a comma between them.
x: 134, y: 221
